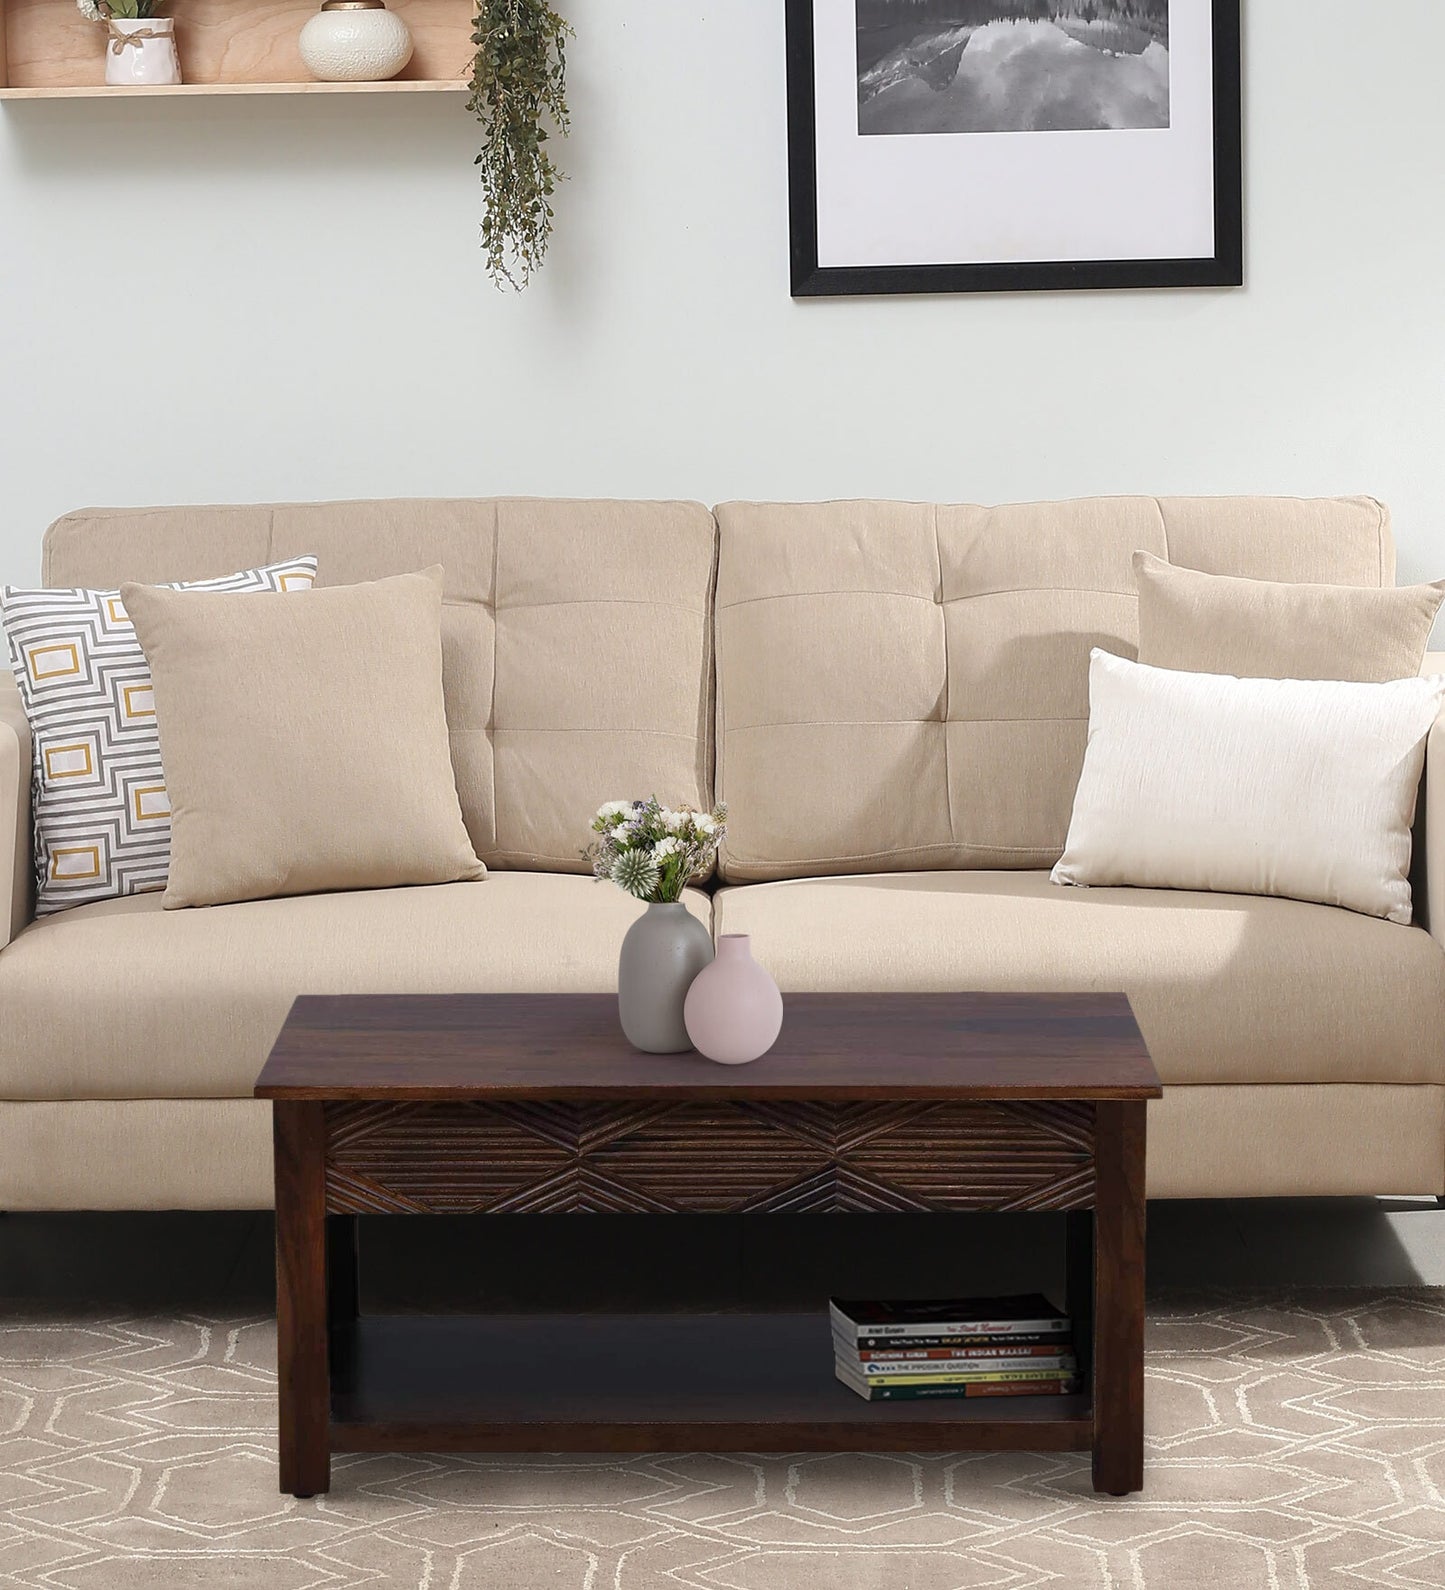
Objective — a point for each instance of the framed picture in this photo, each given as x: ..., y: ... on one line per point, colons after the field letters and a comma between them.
x: 952, y: 146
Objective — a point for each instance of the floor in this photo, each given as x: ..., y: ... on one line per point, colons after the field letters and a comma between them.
x: 1295, y: 1441
x: 224, y: 1261
x: 1295, y: 1414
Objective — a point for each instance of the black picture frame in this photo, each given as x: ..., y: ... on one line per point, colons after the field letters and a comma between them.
x: 1225, y: 268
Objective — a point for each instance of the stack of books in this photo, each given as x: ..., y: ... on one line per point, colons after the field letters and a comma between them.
x: 964, y: 1347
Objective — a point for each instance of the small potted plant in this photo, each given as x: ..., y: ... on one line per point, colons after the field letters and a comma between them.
x: 653, y: 852
x: 140, y: 49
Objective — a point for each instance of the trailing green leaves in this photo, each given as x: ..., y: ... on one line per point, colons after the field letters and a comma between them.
x: 127, y: 10
x: 518, y: 87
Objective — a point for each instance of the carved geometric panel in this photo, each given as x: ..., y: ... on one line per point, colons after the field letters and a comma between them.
x: 787, y: 1157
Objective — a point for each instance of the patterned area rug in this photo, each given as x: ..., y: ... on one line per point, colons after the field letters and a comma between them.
x: 1295, y: 1443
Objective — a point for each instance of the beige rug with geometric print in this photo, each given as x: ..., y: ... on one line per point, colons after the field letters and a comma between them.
x: 1295, y: 1443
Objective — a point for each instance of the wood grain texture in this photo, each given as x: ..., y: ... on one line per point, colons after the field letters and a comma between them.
x: 48, y: 44
x: 301, y: 1304
x: 855, y: 1047
x: 739, y: 1157
x: 229, y: 90
x: 649, y: 1383
x: 1118, y: 1328
x: 536, y: 1103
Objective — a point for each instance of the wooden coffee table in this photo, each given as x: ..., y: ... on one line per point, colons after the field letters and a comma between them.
x: 516, y: 1103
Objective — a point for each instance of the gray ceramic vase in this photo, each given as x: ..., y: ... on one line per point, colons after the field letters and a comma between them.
x: 665, y: 948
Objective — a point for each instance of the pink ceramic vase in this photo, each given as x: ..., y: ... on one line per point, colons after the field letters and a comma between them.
x: 733, y: 1010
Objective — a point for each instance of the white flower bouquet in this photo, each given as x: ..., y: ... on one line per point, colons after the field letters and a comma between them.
x: 654, y: 851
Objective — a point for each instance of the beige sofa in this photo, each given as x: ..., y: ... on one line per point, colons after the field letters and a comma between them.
x: 891, y: 698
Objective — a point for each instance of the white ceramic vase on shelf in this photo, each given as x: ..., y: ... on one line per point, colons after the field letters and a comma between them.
x: 140, y: 52
x: 355, y: 41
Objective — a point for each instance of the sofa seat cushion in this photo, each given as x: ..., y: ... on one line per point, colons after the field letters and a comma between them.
x: 1226, y: 988
x: 124, y: 1000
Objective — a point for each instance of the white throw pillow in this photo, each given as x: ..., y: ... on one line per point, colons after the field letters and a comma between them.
x: 101, y: 814
x: 1290, y: 787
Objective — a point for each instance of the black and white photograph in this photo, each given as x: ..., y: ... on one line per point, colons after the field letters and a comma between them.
x: 1013, y: 145
x: 994, y: 66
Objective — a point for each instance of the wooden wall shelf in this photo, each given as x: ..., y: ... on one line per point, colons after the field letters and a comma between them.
x: 48, y: 50
x: 101, y: 91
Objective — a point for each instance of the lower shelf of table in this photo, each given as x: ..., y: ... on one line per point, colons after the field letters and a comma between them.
x: 647, y: 1383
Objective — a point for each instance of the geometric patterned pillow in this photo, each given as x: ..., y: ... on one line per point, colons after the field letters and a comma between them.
x: 102, y: 821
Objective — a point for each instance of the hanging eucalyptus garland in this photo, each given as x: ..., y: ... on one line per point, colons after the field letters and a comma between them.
x: 518, y: 86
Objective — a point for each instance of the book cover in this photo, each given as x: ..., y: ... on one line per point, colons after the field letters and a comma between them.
x: 947, y: 1317
x: 1005, y: 1348
x: 1050, y: 1340
x: 1055, y: 1363
x: 1035, y: 1388
x: 953, y: 1378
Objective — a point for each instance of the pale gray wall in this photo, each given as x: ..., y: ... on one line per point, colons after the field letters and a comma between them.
x: 252, y: 298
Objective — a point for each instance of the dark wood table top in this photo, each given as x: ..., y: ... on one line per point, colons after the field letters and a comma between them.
x: 833, y: 1046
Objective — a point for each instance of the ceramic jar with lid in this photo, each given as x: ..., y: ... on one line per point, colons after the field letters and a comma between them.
x: 355, y: 41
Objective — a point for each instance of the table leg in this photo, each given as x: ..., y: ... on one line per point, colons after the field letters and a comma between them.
x: 299, y: 1130
x: 1119, y: 1297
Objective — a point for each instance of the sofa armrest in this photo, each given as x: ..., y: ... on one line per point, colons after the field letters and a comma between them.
x: 1428, y: 871
x: 17, y: 869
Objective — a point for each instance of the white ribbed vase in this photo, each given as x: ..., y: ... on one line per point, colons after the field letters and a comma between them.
x: 355, y: 41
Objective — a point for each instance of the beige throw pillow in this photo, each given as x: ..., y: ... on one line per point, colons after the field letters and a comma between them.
x: 304, y: 739
x: 1260, y: 629
x: 101, y: 817
x: 1250, y: 786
